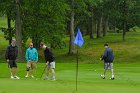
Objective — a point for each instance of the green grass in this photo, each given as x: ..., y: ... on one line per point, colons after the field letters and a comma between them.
x: 125, y: 51
x: 126, y: 68
x: 3, y: 22
x: 89, y: 81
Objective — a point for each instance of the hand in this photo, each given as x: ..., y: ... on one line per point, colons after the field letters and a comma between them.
x: 28, y: 60
x: 7, y: 60
x: 47, y: 63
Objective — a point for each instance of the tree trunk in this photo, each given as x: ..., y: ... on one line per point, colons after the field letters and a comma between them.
x: 71, y: 46
x: 87, y: 29
x: 18, y: 31
x: 105, y: 26
x: 91, y: 28
x: 36, y: 42
x: 9, y: 28
x: 125, y: 12
x: 124, y: 30
x: 99, y: 26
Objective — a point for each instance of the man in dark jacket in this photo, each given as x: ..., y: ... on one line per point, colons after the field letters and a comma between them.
x: 108, y: 58
x: 50, y: 61
x: 11, y: 56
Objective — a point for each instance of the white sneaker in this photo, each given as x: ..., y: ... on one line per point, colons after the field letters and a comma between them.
x: 102, y: 76
x: 12, y: 77
x: 32, y: 76
x: 46, y: 79
x: 16, y: 77
x: 26, y: 76
x: 54, y: 79
x: 112, y: 78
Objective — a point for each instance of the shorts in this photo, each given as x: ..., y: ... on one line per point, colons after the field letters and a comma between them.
x: 12, y: 63
x: 51, y: 65
x: 108, y: 65
x: 31, y: 64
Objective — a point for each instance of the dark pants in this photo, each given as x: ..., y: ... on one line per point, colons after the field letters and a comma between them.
x: 12, y: 63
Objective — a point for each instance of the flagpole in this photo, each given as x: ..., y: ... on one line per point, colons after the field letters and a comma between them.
x: 79, y: 42
x: 77, y: 69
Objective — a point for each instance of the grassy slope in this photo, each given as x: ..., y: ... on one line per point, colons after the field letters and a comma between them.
x: 125, y: 51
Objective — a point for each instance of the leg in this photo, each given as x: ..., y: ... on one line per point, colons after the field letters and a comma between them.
x: 31, y: 70
x: 47, y: 72
x: 33, y: 66
x: 11, y: 72
x: 15, y: 68
x: 106, y: 65
x: 105, y: 68
x: 15, y: 71
x: 52, y: 66
x: 53, y: 74
x: 105, y: 71
x: 28, y: 66
x: 112, y: 71
x: 27, y: 74
x: 10, y: 65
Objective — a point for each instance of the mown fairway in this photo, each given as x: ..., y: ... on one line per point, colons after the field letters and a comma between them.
x: 89, y: 81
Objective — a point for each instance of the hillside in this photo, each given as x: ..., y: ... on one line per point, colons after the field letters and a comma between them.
x: 125, y: 51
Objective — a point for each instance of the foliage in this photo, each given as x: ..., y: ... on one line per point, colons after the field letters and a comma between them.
x: 44, y: 19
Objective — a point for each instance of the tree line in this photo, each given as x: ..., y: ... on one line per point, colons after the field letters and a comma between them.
x: 50, y: 20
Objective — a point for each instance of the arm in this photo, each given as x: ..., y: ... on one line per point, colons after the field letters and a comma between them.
x: 16, y: 52
x: 7, y: 52
x: 27, y: 55
x: 105, y: 55
x: 36, y: 55
x: 46, y: 55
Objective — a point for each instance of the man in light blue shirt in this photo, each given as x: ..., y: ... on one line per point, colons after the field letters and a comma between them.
x: 32, y: 59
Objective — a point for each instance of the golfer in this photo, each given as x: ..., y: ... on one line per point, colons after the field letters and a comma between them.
x: 11, y: 56
x: 32, y: 59
x: 50, y: 61
x: 108, y: 58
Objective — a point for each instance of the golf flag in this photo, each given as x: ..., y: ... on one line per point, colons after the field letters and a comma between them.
x: 79, y: 39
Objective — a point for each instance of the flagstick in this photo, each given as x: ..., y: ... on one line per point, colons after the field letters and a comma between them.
x: 77, y: 69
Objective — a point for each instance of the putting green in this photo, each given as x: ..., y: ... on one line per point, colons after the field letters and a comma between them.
x: 89, y: 81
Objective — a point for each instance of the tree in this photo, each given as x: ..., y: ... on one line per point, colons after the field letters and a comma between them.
x: 18, y: 30
x: 7, y: 8
x: 44, y: 20
x: 71, y: 46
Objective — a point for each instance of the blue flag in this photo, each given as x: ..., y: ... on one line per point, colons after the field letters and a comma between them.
x: 79, y: 39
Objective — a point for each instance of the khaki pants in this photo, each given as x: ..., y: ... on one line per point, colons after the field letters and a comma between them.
x: 31, y: 64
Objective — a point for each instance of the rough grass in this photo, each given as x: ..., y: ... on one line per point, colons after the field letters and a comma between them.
x: 125, y: 51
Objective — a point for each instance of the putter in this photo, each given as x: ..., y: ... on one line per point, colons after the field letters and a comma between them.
x: 43, y: 72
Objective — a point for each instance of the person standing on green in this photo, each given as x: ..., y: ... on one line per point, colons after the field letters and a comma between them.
x: 108, y: 58
x: 32, y: 59
x: 50, y: 61
x: 11, y: 56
